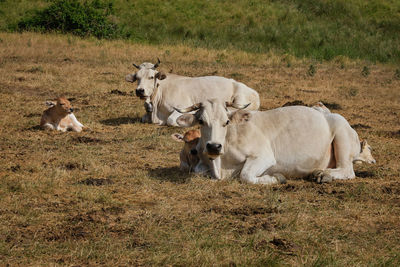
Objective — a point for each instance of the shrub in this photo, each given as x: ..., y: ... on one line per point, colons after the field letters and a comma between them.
x: 365, y: 71
x: 311, y: 70
x: 89, y: 18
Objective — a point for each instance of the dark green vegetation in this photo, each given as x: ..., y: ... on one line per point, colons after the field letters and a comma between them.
x: 320, y: 30
x: 83, y: 19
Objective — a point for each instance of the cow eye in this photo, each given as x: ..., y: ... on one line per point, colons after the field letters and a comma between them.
x: 151, y: 78
x: 201, y: 122
x: 226, y: 123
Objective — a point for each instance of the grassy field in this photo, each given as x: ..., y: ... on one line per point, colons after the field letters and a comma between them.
x: 113, y: 195
x: 304, y: 28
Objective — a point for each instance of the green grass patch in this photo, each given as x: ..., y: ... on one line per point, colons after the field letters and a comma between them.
x: 320, y: 30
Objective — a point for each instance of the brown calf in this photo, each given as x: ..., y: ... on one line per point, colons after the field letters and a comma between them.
x: 60, y: 117
x: 188, y: 155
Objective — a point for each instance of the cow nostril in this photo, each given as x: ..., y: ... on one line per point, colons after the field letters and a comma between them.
x: 140, y: 92
x: 214, y: 147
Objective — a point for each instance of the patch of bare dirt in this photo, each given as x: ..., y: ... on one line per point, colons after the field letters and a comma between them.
x: 391, y: 189
x: 87, y: 140
x: 294, y: 103
x: 360, y: 126
x: 244, y: 210
x: 389, y: 134
x: 121, y: 120
x: 31, y: 115
x: 332, y: 105
x: 75, y: 166
x: 117, y: 92
x: 284, y: 245
x: 365, y: 174
x: 96, y: 181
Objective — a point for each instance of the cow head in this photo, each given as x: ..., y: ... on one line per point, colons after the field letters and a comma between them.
x: 189, y: 157
x: 146, y: 76
x: 365, y: 154
x: 214, y: 118
x: 321, y: 107
x: 61, y: 105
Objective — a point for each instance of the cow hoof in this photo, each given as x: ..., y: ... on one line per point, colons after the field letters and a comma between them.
x: 321, y: 177
x: 326, y: 178
x: 281, y: 179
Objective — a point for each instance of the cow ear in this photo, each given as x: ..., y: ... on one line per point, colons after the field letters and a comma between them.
x: 363, y: 143
x: 160, y: 75
x: 130, y: 78
x: 50, y: 103
x: 240, y: 116
x: 186, y: 120
x: 177, y: 137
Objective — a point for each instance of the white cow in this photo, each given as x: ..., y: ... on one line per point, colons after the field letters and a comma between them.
x: 163, y: 92
x: 265, y: 147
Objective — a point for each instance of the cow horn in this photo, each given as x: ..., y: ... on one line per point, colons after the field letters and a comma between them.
x: 157, y: 64
x: 189, y: 109
x: 237, y: 106
x: 136, y: 66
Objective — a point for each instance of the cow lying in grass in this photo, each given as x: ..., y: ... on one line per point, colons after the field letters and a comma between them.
x: 164, y: 91
x: 266, y: 147
x: 60, y: 117
x: 188, y: 156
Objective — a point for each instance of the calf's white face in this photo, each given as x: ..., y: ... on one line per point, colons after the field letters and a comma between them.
x: 214, y: 117
x: 146, y: 76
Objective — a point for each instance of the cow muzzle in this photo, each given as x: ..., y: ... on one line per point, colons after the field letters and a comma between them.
x: 140, y: 93
x: 214, y: 150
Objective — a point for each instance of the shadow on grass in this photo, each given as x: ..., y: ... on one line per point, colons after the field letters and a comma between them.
x: 96, y: 181
x: 121, y: 120
x: 365, y: 174
x: 171, y: 174
x: 34, y: 128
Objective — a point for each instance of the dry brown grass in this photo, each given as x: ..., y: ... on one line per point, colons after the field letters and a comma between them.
x: 113, y: 195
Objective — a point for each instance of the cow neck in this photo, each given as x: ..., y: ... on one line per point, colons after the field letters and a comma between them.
x: 156, y: 92
x: 58, y: 111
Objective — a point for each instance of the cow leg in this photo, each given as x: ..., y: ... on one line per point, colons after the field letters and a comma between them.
x: 154, y: 117
x: 48, y: 126
x: 76, y: 128
x: 201, y: 168
x: 62, y: 129
x: 148, y: 106
x: 343, y: 155
x: 146, y: 118
x: 74, y: 120
x: 254, y: 168
x: 171, y: 121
